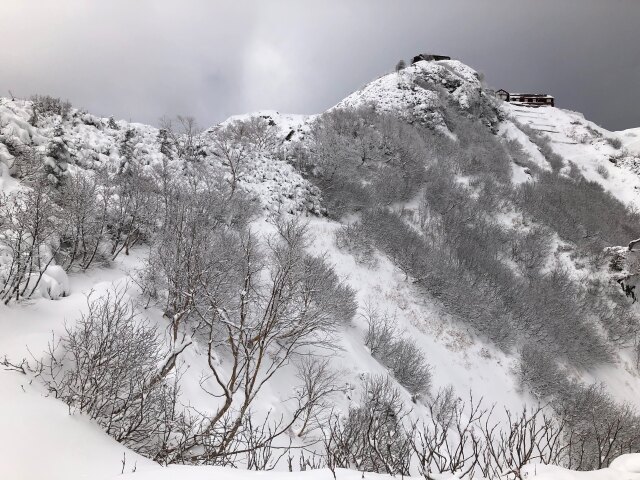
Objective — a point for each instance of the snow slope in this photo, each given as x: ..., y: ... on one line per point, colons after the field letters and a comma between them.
x: 579, y: 141
x: 630, y: 139
x: 625, y: 467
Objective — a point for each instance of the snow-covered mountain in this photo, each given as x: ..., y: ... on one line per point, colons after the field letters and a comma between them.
x: 493, y: 203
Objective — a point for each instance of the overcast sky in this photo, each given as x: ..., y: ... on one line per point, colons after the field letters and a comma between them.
x: 142, y: 59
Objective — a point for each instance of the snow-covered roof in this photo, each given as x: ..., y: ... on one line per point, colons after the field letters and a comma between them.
x: 538, y: 95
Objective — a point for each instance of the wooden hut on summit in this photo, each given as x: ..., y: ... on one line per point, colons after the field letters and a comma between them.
x: 429, y: 57
x: 526, y: 99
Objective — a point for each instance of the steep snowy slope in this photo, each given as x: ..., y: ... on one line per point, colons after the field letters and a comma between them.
x: 585, y: 144
x: 631, y: 139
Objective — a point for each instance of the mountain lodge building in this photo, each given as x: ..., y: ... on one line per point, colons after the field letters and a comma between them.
x: 527, y: 99
x: 429, y: 57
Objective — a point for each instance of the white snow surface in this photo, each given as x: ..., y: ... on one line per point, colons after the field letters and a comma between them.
x: 582, y: 142
x: 291, y: 125
x: 413, y: 92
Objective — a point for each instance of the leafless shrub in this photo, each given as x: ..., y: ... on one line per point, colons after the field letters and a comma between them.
x: 131, y: 207
x: 448, y: 442
x: 318, y: 382
x: 531, y: 250
x: 360, y: 158
x: 579, y: 210
x: 284, y: 301
x: 539, y: 372
x: 353, y: 239
x: 44, y: 105
x: 83, y: 218
x: 602, y: 170
x: 27, y: 241
x: 110, y: 365
x: 542, y: 141
x: 614, y: 142
x: 184, y: 136
x: 371, y: 437
x: 523, y: 439
x: 402, y: 356
x: 479, y: 151
x: 598, y: 429
x: 236, y: 142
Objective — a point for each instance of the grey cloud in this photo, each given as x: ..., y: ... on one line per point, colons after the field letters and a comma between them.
x: 142, y: 59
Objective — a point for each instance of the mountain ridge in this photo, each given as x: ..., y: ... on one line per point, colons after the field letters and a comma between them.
x: 431, y: 134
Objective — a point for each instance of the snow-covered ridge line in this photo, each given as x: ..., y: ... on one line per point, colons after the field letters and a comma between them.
x: 93, y: 142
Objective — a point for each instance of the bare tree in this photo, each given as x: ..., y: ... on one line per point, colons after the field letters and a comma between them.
x: 525, y: 438
x: 269, y: 305
x: 28, y: 219
x: 318, y: 383
x: 131, y: 207
x: 84, y: 215
x: 186, y: 138
x: 236, y: 142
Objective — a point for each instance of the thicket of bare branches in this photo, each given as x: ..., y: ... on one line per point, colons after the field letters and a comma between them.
x: 255, y: 303
x: 27, y: 244
x: 360, y: 159
x: 371, y: 436
x: 111, y: 365
x: 236, y: 142
x: 404, y: 359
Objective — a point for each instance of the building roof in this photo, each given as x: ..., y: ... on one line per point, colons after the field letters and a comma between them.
x: 535, y: 95
x: 540, y: 95
x: 431, y: 55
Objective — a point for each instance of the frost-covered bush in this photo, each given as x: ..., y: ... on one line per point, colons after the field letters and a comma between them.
x: 429, y: 261
x: 543, y: 143
x: 359, y: 158
x: 46, y: 105
x: 409, y: 367
x: 598, y: 429
x: 28, y: 240
x: 602, y: 170
x: 539, y: 371
x: 458, y: 259
x: 371, y: 438
x: 26, y: 163
x: 110, y: 366
x: 614, y: 142
x: 83, y: 221
x: 132, y: 206
x: 353, y: 239
x: 579, y: 210
x: 402, y: 356
x: 531, y: 249
x: 551, y: 309
x: 57, y: 158
x: 478, y: 151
